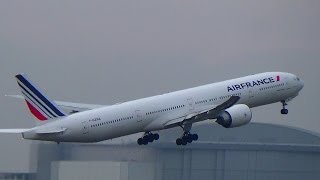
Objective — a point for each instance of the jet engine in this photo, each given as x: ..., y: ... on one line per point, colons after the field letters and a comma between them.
x: 235, y: 116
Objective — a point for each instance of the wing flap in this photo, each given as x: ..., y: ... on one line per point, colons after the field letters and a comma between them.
x: 230, y: 102
x: 210, y: 113
x: 174, y: 122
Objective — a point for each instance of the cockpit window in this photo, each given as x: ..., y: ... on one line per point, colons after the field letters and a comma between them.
x: 298, y: 79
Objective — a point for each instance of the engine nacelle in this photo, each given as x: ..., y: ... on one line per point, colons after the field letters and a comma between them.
x: 235, y: 116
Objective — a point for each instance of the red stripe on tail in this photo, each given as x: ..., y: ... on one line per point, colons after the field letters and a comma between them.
x: 36, y: 113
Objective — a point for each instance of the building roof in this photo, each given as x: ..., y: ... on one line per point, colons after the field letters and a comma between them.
x: 252, y: 133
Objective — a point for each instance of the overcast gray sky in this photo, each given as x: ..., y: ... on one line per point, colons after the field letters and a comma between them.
x: 112, y: 51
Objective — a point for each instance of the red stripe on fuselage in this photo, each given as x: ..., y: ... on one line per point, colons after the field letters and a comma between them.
x: 35, y: 112
x: 278, y: 78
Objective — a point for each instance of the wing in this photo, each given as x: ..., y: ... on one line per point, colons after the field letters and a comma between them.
x: 13, y: 131
x: 210, y: 113
x: 70, y: 106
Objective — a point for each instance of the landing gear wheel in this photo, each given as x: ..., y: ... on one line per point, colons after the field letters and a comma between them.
x: 184, y: 142
x: 284, y: 111
x: 189, y: 139
x: 140, y: 141
x: 148, y: 137
x: 156, y: 136
x: 179, y: 141
x: 186, y: 137
x: 145, y: 142
x: 195, y: 137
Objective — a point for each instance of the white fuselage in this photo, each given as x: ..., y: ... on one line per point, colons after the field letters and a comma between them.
x: 152, y: 113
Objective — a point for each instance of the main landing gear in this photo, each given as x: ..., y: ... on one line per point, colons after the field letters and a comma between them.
x: 187, y: 137
x: 148, y: 137
x: 284, y: 110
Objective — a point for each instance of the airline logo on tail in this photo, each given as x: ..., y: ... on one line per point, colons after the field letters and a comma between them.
x: 39, y: 105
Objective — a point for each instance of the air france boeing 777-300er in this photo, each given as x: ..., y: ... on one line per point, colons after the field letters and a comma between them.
x: 227, y: 103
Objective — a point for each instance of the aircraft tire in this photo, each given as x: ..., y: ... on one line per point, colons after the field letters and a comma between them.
x: 156, y: 136
x: 140, y: 141
x: 150, y: 138
x: 184, y: 142
x: 179, y: 141
x: 145, y: 142
x: 284, y: 111
x: 189, y: 138
x: 195, y: 137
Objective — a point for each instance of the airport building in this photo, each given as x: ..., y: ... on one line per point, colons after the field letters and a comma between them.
x: 253, y: 152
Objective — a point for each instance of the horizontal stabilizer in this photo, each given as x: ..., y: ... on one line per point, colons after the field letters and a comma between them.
x: 77, y: 106
x: 50, y: 130
x: 69, y: 106
x: 13, y: 131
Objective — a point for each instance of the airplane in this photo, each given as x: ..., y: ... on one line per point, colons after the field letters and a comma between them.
x: 227, y: 103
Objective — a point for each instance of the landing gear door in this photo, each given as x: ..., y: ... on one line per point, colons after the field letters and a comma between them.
x: 85, y: 127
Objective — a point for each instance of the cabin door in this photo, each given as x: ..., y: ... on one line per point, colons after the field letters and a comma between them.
x: 139, y: 117
x: 251, y: 93
x: 85, y: 127
x: 190, y: 104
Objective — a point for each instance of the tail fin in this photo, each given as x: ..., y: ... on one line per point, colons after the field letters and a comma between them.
x: 38, y: 103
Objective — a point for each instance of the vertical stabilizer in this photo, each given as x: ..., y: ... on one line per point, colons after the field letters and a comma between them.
x: 38, y: 103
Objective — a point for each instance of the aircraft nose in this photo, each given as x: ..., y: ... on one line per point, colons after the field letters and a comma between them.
x: 300, y: 84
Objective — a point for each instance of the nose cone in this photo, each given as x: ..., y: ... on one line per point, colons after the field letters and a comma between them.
x: 300, y: 84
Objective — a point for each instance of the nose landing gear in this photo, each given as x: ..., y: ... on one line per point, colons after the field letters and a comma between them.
x: 284, y: 110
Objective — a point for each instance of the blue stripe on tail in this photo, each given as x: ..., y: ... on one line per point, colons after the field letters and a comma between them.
x: 28, y: 95
x: 35, y: 91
